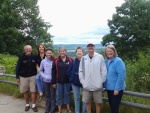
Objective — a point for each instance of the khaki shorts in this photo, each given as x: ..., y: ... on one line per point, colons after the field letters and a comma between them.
x: 88, y: 95
x: 27, y: 83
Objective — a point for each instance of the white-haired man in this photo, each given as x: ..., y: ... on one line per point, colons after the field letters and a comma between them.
x: 25, y: 75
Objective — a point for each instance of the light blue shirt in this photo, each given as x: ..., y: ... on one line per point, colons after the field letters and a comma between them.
x: 116, y: 74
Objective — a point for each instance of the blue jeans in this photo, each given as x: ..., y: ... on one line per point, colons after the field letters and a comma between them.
x: 62, y: 93
x: 77, y: 94
x: 50, y: 94
x: 114, y: 101
x: 39, y: 83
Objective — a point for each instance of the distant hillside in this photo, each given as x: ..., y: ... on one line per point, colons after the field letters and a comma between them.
x: 74, y: 46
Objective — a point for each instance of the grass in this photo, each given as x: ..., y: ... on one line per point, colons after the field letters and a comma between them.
x: 10, y: 89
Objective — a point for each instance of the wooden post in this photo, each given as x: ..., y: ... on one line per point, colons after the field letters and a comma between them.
x: 2, y: 69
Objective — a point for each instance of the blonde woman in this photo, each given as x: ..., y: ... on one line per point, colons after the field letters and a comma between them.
x: 115, y: 79
x: 39, y: 80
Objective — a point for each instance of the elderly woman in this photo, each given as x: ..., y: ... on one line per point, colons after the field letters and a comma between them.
x: 115, y: 79
x: 60, y: 79
x: 74, y: 79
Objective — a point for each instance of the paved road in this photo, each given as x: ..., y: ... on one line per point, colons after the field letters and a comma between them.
x: 9, y: 104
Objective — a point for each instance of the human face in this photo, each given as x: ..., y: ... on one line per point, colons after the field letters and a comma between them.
x: 91, y: 49
x: 41, y: 49
x: 79, y: 53
x: 62, y: 52
x: 49, y: 54
x: 28, y: 50
x: 110, y: 53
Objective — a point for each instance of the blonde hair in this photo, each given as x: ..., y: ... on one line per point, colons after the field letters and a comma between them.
x: 113, y: 48
x: 39, y: 47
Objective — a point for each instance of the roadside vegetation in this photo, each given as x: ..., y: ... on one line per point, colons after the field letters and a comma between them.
x: 137, y: 80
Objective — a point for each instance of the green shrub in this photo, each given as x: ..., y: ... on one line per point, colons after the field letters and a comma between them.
x: 10, y: 89
x: 138, y: 73
x: 9, y: 61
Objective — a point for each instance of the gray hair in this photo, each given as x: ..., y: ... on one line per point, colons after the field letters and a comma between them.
x: 63, y: 48
x: 27, y: 46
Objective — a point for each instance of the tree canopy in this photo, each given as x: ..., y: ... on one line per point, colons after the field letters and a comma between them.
x: 20, y: 24
x: 130, y: 28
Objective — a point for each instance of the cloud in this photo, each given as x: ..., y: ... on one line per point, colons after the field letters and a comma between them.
x: 76, y: 21
x: 95, y: 35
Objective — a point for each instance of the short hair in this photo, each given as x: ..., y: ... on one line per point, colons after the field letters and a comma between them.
x: 79, y: 48
x: 39, y: 46
x: 62, y: 47
x: 113, y: 48
x: 27, y: 46
x: 48, y: 49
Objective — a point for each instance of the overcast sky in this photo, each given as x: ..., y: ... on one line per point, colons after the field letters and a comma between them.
x: 78, y: 21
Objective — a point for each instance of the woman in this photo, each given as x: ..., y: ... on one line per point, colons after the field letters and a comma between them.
x: 115, y: 80
x: 74, y: 79
x: 39, y: 80
x: 46, y: 73
x: 60, y: 79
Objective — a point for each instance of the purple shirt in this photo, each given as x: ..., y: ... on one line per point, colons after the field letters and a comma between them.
x: 46, y: 69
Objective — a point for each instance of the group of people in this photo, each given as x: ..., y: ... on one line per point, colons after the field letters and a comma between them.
x: 85, y: 75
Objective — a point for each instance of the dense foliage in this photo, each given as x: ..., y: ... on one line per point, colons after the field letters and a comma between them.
x: 9, y: 61
x: 130, y: 28
x: 20, y: 24
x: 138, y: 73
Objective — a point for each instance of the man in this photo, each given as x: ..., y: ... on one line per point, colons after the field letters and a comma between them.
x: 25, y: 75
x: 92, y: 75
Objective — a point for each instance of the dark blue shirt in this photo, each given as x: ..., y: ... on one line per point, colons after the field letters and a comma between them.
x: 73, y: 72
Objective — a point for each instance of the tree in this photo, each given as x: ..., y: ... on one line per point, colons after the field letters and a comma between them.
x: 20, y: 24
x: 130, y: 28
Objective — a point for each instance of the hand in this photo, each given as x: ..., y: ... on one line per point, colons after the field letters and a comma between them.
x: 54, y: 86
x: 18, y: 80
x: 116, y: 92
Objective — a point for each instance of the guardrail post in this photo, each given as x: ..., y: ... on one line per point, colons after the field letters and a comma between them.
x: 2, y: 69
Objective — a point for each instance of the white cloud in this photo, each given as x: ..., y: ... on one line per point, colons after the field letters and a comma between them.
x: 75, y: 18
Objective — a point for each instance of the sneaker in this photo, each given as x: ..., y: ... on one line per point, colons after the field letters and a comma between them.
x: 27, y: 108
x: 35, y: 109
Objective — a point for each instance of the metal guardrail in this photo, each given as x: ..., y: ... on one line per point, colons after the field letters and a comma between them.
x: 131, y: 104
x: 6, y: 81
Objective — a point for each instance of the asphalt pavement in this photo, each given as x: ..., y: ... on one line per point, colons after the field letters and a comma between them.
x: 9, y: 104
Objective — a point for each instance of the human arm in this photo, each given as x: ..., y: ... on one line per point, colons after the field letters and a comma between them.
x: 69, y: 71
x: 121, y: 75
x: 81, y: 69
x: 17, y: 71
x: 103, y: 69
x: 41, y: 69
x: 54, y: 72
x: 37, y: 67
